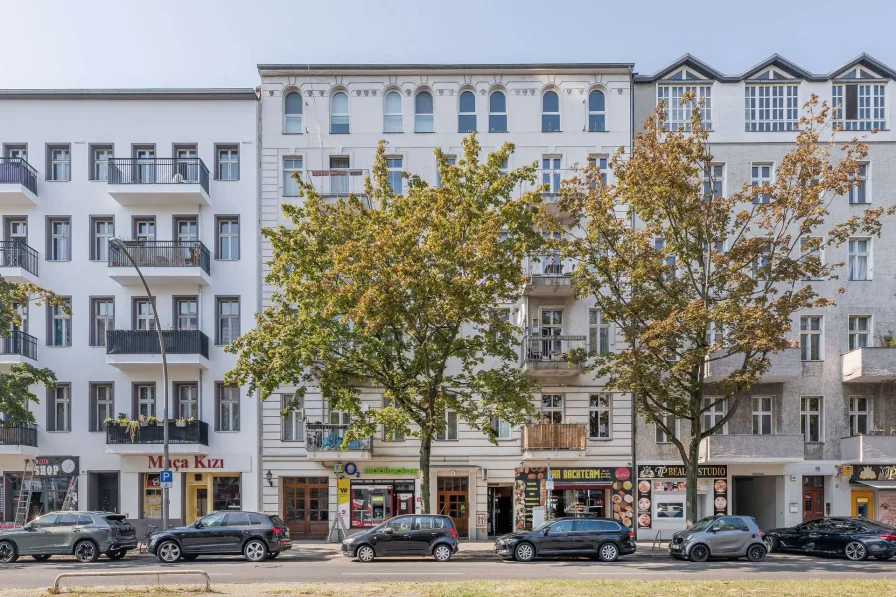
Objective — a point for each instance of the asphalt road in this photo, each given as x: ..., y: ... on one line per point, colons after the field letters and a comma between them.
x: 326, y: 566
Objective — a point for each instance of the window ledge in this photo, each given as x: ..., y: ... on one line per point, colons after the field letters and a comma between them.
x: 600, y: 439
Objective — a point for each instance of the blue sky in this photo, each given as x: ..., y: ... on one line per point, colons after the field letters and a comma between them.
x: 217, y: 43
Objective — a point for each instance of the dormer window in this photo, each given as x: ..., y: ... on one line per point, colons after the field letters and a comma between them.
x: 771, y: 106
x: 676, y: 86
x: 859, y: 101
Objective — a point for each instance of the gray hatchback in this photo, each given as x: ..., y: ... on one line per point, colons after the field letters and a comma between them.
x: 720, y: 537
x: 83, y: 534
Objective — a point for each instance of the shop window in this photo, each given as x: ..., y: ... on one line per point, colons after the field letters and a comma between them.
x: 670, y: 510
x: 226, y: 493
x: 152, y: 496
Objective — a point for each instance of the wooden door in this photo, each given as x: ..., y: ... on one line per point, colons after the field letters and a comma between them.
x: 306, y: 503
x: 813, y: 497
x: 453, y: 497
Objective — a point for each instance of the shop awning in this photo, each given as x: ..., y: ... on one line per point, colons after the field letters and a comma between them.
x: 879, y: 484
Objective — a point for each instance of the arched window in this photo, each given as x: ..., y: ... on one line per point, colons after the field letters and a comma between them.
x: 339, y: 113
x: 466, y: 118
x: 292, y: 107
x: 550, y: 112
x: 497, y: 112
x: 423, y: 113
x: 392, y: 120
x: 597, y: 114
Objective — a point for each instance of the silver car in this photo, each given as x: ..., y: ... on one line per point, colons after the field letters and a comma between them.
x: 720, y: 537
x: 84, y: 535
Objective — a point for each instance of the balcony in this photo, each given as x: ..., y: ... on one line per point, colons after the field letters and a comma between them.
x: 324, y: 442
x: 18, y: 261
x: 878, y: 449
x: 785, y: 366
x: 868, y: 365
x: 554, y: 440
x: 552, y: 357
x: 158, y: 181
x: 18, y: 183
x: 163, y: 262
x: 549, y: 275
x: 18, y: 439
x: 128, y: 349
x: 338, y: 182
x: 192, y: 438
x: 721, y: 449
x: 17, y: 348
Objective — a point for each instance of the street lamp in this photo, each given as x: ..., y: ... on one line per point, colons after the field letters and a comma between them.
x: 120, y: 246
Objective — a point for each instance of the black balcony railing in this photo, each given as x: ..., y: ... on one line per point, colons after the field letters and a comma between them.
x: 161, y: 253
x: 158, y: 171
x: 19, y: 343
x: 147, y: 342
x: 195, y: 432
x: 323, y: 437
x: 15, y: 253
x: 18, y: 171
x: 18, y: 434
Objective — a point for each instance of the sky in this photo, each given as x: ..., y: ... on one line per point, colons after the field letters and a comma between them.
x: 218, y: 43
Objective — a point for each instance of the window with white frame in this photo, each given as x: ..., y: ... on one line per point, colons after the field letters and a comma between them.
x: 60, y: 239
x: 339, y: 120
x: 450, y: 160
x: 859, y: 331
x: 497, y: 112
x: 599, y: 416
x: 714, y: 410
x: 228, y: 315
x: 598, y: 333
x: 810, y: 418
x: 597, y: 111
x: 60, y: 163
x: 292, y: 168
x: 103, y: 311
x: 811, y: 338
x: 187, y: 401
x: 713, y: 181
x: 393, y: 120
x: 146, y: 400
x: 292, y: 419
x: 143, y: 315
x: 550, y: 112
x: 423, y: 113
x: 771, y: 107
x: 859, y: 106
x: 391, y: 436
x: 763, y: 415
x: 600, y: 164
x: 338, y: 417
x: 228, y: 163
x: 678, y: 115
x: 60, y: 324
x: 811, y: 250
x: 292, y: 118
x: 62, y: 408
x: 761, y: 175
x: 671, y: 423
x: 551, y: 174
x: 551, y: 409
x: 103, y: 230
x: 228, y: 239
x: 103, y: 405
x: 100, y: 157
x: 449, y: 431
x: 228, y: 408
x: 394, y: 177
x: 187, y: 312
x: 859, y: 415
x: 501, y: 428
x: 858, y: 192
x: 466, y: 114
x: 859, y: 259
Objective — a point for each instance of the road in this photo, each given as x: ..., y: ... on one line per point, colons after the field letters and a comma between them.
x: 324, y: 565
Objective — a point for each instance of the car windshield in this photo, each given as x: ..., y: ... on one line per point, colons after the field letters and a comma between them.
x: 702, y: 524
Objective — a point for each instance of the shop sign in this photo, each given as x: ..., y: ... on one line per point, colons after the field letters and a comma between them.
x: 845, y: 470
x: 390, y: 471
x: 651, y: 471
x: 343, y: 499
x: 56, y: 466
x: 886, y: 472
x: 647, y: 486
x: 230, y: 463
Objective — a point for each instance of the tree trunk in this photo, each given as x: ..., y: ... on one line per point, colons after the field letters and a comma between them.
x: 425, y: 455
x: 690, y: 466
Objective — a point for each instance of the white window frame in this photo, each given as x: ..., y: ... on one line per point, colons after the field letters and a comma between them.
x: 60, y: 164
x: 544, y: 112
x: 503, y: 429
x: 819, y: 253
x: 62, y: 320
x: 101, y: 157
x: 661, y: 437
x: 461, y: 113
x: 396, y: 118
x: 103, y: 231
x: 551, y: 412
x: 718, y: 408
x: 334, y: 115
x: 424, y: 122
x: 394, y: 171
x: 856, y: 257
x: 771, y: 107
x: 808, y: 333
x: 601, y: 163
x: 599, y: 333
x: 190, y: 319
x: 856, y: 413
x: 293, y: 426
x: 450, y: 431
x: 60, y: 242
x: 104, y: 399
x: 108, y: 319
x: 292, y: 164
x: 761, y: 415
x: 806, y: 416
x: 228, y: 163
x: 870, y: 106
x: 143, y: 315
x: 496, y: 113
x: 62, y: 397
x: 226, y: 238
x: 757, y: 179
x: 228, y: 409
x: 192, y: 400
x: 597, y: 113
x: 233, y: 325
x: 858, y: 337
x: 600, y: 410
x: 146, y: 400
x: 292, y: 120
x: 714, y: 180
x: 678, y: 116
x: 861, y: 181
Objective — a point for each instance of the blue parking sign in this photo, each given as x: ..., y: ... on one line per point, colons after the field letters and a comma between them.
x: 166, y: 477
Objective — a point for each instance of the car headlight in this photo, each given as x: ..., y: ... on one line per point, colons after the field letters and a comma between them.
x: 689, y: 537
x: 348, y: 540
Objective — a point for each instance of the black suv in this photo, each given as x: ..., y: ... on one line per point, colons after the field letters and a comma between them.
x: 256, y: 536
x: 601, y: 538
x: 419, y: 535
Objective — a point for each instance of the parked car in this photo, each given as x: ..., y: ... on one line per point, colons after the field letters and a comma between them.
x: 85, y: 535
x: 254, y: 535
x: 601, y: 538
x: 855, y: 538
x: 418, y: 535
x: 720, y: 537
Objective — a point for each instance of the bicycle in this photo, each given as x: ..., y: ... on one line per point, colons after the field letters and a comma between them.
x: 143, y: 546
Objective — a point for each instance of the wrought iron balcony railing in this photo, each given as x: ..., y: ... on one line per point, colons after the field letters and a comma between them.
x: 161, y: 253
x: 147, y: 342
x: 18, y: 171
x: 19, y: 343
x: 15, y: 253
x: 158, y: 171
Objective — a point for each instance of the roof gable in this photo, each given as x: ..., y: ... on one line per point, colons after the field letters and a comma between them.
x: 863, y: 67
x: 686, y: 68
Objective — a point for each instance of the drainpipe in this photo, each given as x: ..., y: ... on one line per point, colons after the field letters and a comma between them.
x: 634, y: 410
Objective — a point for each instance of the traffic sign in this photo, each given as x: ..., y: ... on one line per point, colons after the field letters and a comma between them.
x: 166, y: 479
x: 549, y: 485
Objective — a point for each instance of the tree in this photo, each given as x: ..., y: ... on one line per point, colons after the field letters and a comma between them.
x: 398, y: 291
x: 691, y: 278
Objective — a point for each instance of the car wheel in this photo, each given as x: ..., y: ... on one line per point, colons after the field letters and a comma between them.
x: 169, y: 552
x: 255, y: 550
x: 273, y: 555
x: 116, y: 554
x: 365, y: 554
x: 608, y: 552
x: 699, y: 553
x: 856, y: 551
x: 771, y: 544
x: 86, y: 552
x: 756, y: 553
x: 524, y: 552
x: 442, y: 553
x: 8, y: 552
x: 42, y: 557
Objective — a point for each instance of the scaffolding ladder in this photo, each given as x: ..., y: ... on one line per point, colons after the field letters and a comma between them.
x: 24, y: 503
x: 71, y: 495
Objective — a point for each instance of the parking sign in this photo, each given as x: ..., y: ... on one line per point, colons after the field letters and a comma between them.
x: 166, y: 479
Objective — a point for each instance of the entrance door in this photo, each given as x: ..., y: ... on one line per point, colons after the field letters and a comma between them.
x: 102, y: 492
x: 862, y: 503
x: 452, y: 496
x: 813, y: 497
x: 306, y: 502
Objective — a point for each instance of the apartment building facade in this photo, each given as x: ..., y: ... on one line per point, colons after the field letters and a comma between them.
x: 324, y: 121
x: 816, y: 437
x: 173, y: 175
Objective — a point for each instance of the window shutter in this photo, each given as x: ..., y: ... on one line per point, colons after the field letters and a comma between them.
x: 217, y: 407
x: 93, y: 424
x: 51, y: 409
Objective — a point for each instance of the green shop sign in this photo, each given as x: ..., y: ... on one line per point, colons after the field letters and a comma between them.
x: 390, y: 471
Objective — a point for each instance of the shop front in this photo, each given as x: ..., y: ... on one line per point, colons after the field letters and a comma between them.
x: 662, y: 497
x: 873, y: 491
x: 53, y: 476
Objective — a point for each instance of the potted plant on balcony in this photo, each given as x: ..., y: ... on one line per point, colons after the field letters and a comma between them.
x: 142, y: 421
x: 133, y: 427
x: 191, y: 421
x: 181, y: 422
x: 109, y: 421
x: 122, y: 419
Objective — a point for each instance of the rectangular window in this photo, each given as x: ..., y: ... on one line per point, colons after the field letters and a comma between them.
x: 228, y: 313
x: 292, y: 168
x: 228, y: 167
x: 552, y: 409
x: 338, y: 417
x: 860, y: 106
x: 859, y: 415
x: 772, y: 107
x: 228, y: 244
x: 811, y: 250
x: 145, y: 163
x: 714, y: 181
x: 187, y: 395
x: 450, y: 430
x: 186, y: 230
x: 187, y: 310
x: 763, y: 415
x: 145, y: 229
x: 713, y: 412
x: 228, y: 408
x: 146, y: 400
x: 103, y: 311
x: 143, y: 315
x: 59, y: 239
x: 61, y: 405
x: 551, y: 174
x: 859, y: 259
x: 99, y: 162
x: 672, y: 423
x: 103, y: 230
x: 760, y: 175
x: 293, y: 421
x: 599, y: 416
x: 393, y: 165
x: 810, y: 418
x: 59, y: 163
x: 501, y: 314
x: 678, y: 116
x: 501, y: 428
x: 859, y: 331
x: 598, y: 333
x: 858, y: 193
x: 103, y: 405
x: 450, y: 160
x: 393, y: 436
x: 811, y: 338
x: 60, y: 324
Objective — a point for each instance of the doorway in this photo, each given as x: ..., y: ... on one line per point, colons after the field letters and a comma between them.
x: 306, y: 502
x: 813, y: 497
x: 453, y: 496
x: 500, y: 510
x: 102, y: 492
x: 862, y: 503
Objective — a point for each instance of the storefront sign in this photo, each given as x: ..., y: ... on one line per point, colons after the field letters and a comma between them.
x: 655, y: 471
x: 845, y: 471
x: 229, y: 463
x: 390, y: 471
x: 874, y: 472
x: 653, y: 479
x: 56, y: 466
x: 343, y: 499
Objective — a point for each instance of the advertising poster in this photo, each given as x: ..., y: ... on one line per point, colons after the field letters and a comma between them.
x: 720, y: 496
x: 645, y: 504
x: 886, y: 507
x: 343, y: 499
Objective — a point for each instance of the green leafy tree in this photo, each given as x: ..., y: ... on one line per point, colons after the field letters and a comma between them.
x: 397, y: 291
x: 693, y: 279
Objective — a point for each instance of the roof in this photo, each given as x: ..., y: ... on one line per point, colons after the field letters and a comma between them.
x: 321, y: 69
x: 132, y: 94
